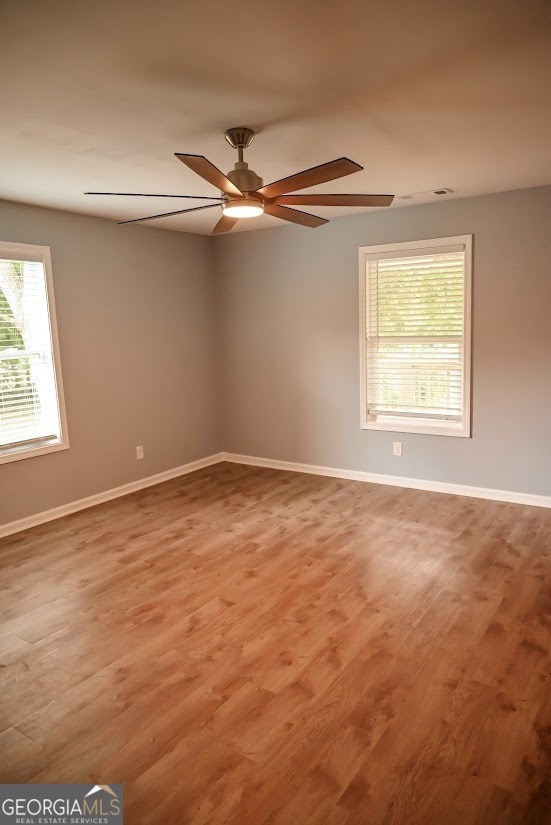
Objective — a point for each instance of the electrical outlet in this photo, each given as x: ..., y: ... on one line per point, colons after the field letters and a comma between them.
x: 397, y: 448
x: 139, y: 453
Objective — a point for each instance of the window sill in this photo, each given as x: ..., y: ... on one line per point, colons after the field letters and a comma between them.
x: 8, y: 454
x: 405, y: 425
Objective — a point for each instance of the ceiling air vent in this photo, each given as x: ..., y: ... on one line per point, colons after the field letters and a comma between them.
x: 430, y: 193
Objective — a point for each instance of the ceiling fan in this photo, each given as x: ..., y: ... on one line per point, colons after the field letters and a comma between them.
x: 245, y: 196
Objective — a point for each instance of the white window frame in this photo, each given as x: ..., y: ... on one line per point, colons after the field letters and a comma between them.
x: 31, y: 252
x: 402, y: 424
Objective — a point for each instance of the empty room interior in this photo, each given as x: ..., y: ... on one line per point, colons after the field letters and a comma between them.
x: 275, y: 412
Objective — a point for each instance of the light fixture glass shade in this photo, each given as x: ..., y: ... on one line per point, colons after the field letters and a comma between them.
x: 242, y: 208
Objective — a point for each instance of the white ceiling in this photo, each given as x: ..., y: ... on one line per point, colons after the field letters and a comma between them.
x: 423, y: 93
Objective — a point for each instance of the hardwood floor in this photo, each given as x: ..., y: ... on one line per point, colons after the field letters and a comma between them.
x: 251, y: 646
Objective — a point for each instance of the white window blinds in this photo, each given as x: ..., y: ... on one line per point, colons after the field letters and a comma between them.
x: 29, y: 405
x: 415, y: 334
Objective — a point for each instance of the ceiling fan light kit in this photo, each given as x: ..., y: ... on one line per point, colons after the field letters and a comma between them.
x: 242, y: 207
x: 243, y: 194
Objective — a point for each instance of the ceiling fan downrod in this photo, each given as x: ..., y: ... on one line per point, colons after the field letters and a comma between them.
x: 240, y: 138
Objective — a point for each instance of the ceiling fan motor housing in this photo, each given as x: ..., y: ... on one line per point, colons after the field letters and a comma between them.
x: 244, y: 178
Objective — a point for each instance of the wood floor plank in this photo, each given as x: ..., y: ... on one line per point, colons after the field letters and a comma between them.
x: 249, y: 646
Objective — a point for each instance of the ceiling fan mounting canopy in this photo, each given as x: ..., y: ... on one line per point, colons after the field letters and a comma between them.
x: 244, y: 195
x: 239, y: 137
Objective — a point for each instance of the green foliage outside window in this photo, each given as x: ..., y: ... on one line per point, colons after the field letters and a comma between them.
x: 415, y: 308
x: 18, y: 397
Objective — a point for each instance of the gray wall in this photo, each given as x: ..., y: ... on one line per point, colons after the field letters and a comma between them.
x: 135, y: 310
x: 160, y: 330
x: 288, y: 337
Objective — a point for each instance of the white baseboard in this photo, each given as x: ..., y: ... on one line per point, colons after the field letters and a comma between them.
x: 395, y: 481
x: 107, y: 495
x: 274, y: 464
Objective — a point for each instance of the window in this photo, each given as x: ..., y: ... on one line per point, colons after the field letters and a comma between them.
x: 32, y: 413
x: 415, y: 336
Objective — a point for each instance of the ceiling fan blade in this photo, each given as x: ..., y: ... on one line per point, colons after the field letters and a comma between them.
x: 208, y: 171
x: 335, y: 200
x: 168, y: 214
x: 311, y: 177
x: 293, y: 215
x: 224, y: 224
x: 149, y: 195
